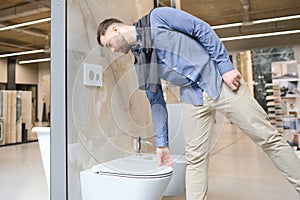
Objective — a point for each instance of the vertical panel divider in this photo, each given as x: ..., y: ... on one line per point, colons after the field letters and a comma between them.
x: 58, y: 133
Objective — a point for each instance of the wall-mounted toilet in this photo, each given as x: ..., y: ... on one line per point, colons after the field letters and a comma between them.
x: 139, y: 177
x: 177, y: 148
x: 177, y: 183
x: 125, y: 179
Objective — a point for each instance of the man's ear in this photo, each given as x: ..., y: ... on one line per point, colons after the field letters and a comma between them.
x: 115, y: 29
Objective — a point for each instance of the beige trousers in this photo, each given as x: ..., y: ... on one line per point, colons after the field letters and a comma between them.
x: 244, y: 112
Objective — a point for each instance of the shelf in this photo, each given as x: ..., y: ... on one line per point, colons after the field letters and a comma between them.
x: 286, y: 79
x: 291, y: 97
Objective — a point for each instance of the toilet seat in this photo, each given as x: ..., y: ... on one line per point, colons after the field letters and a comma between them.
x: 135, y: 175
x: 125, y: 178
x: 137, y: 171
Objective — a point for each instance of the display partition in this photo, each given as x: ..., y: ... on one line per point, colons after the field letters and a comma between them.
x: 82, y: 113
x: 58, y: 145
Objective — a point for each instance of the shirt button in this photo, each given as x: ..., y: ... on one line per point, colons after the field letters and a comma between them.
x: 164, y: 60
x: 189, y: 76
x: 174, y: 68
x: 198, y: 83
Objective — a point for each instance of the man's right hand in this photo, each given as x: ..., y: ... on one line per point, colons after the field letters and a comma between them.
x: 232, y: 79
x: 164, y: 156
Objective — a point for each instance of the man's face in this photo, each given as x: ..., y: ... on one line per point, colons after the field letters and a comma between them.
x: 114, y: 40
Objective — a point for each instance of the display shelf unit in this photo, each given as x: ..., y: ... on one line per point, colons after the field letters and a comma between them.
x: 285, y: 75
x: 15, y: 117
x: 274, y: 106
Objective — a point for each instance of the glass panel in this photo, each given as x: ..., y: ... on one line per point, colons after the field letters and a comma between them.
x: 102, y: 121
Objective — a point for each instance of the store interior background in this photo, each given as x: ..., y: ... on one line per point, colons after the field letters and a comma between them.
x: 92, y: 110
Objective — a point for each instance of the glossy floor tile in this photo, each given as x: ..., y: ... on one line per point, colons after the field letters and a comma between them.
x: 21, y: 173
x: 238, y: 170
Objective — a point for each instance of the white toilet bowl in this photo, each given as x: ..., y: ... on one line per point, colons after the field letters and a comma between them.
x: 125, y: 179
x: 177, y: 183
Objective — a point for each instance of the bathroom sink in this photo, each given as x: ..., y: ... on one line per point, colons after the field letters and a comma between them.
x: 43, y: 134
x: 143, y: 157
x: 153, y: 158
x: 149, y: 157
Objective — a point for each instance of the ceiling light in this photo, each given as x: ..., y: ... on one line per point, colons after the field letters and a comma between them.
x: 276, y: 19
x: 25, y: 24
x: 22, y: 53
x: 227, y: 25
x: 34, y: 61
x: 257, y: 22
x: 259, y: 35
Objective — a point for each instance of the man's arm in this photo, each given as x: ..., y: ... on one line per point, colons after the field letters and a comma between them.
x: 196, y: 28
x: 160, y: 123
x: 159, y: 116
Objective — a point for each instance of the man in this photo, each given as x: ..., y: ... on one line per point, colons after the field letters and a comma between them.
x: 175, y: 46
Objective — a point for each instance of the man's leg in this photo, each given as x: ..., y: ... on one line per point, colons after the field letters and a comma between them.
x: 196, y: 125
x: 244, y: 111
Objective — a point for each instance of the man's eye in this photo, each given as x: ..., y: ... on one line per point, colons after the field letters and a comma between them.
x: 108, y: 45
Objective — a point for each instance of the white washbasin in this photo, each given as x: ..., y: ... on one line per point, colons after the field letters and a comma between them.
x: 43, y: 134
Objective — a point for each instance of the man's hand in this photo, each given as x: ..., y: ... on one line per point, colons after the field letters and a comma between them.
x: 164, y: 156
x: 232, y: 79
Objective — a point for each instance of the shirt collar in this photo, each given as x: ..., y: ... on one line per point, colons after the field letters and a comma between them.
x: 139, y: 41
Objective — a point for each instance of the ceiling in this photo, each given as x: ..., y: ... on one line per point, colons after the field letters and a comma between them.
x: 218, y: 12
x: 215, y: 12
x: 25, y: 38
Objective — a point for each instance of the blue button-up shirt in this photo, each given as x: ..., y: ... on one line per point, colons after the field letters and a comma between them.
x: 190, y: 55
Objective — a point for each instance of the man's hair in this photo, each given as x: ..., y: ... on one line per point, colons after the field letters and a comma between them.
x: 103, y: 27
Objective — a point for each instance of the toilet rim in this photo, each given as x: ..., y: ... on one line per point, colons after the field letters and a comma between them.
x: 132, y: 169
x: 136, y: 176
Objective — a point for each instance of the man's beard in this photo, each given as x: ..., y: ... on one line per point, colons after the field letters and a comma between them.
x: 125, y: 46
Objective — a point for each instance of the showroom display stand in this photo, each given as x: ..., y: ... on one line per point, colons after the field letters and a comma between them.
x: 274, y: 106
x: 286, y: 85
x: 16, y: 117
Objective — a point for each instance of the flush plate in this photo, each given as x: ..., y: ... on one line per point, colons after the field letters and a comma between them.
x: 92, y: 74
